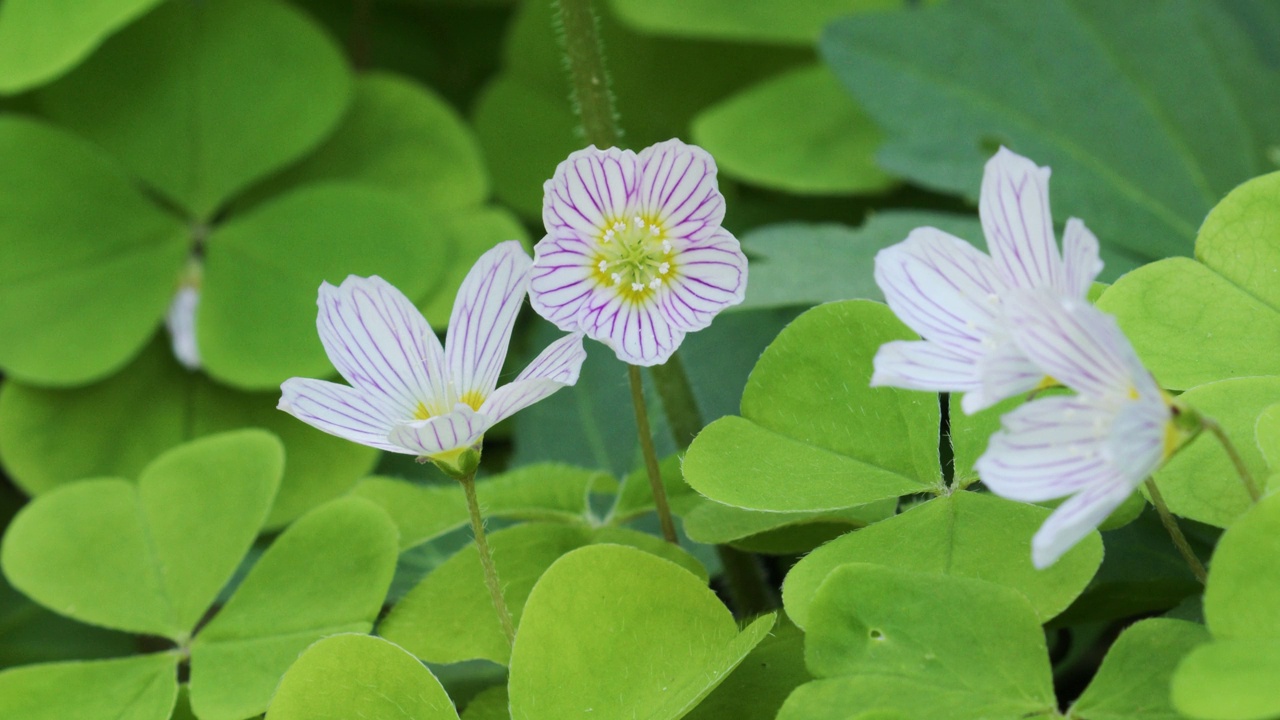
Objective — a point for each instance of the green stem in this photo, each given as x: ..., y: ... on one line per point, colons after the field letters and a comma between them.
x: 1171, y: 525
x: 1245, y: 476
x: 591, y: 95
x: 651, y: 456
x: 486, y: 558
x: 678, y: 400
x: 746, y: 582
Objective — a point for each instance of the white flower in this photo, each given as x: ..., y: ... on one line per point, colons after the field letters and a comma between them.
x: 634, y: 254
x: 408, y: 394
x: 1097, y: 445
x: 955, y: 297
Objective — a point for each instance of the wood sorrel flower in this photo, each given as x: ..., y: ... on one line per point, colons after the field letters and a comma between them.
x: 408, y: 394
x: 1097, y: 445
x: 634, y: 254
x: 954, y: 296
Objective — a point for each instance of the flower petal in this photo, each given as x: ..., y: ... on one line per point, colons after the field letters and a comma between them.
x: 181, y: 323
x: 922, y: 365
x: 341, y: 410
x: 707, y: 278
x: 1137, y: 443
x: 1049, y: 448
x: 558, y: 366
x: 1077, y: 517
x: 941, y: 287
x: 640, y: 333
x: 484, y: 314
x: 1080, y: 258
x: 456, y: 430
x: 1075, y: 343
x: 381, y: 344
x: 678, y: 188
x: 1003, y: 372
x: 591, y: 189
x: 1014, y: 207
x: 561, y: 281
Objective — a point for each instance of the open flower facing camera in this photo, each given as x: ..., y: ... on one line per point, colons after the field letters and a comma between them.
x: 634, y: 254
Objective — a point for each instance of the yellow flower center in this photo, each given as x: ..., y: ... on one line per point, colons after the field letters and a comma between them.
x: 473, y: 398
x: 634, y: 256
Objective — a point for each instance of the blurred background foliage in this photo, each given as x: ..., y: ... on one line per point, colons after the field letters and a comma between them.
x: 252, y: 149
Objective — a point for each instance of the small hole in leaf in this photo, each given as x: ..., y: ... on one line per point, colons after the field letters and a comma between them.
x: 877, y: 635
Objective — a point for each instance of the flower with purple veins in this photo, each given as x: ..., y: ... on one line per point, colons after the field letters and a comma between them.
x: 955, y: 296
x: 634, y: 254
x: 1097, y: 445
x: 407, y: 394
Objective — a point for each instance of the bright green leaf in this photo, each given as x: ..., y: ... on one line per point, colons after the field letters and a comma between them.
x: 1242, y: 600
x: 680, y: 641
x: 31, y: 634
x: 449, y: 617
x: 799, y: 132
x: 148, y: 557
x: 351, y: 676
x: 400, y: 137
x: 328, y: 573
x: 975, y: 641
x: 1225, y: 306
x: 714, y: 524
x: 534, y: 492
x: 219, y: 95
x: 115, y: 427
x: 257, y: 316
x: 758, y: 687
x: 1133, y: 681
x: 87, y: 262
x: 754, y: 21
x: 41, y: 39
x: 1167, y: 129
x: 1200, y: 482
x: 143, y: 687
x: 1172, y: 307
x: 814, y: 435
x: 966, y: 534
x: 1229, y: 680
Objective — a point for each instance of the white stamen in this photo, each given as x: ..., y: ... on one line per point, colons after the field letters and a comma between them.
x: 655, y: 283
x: 664, y: 268
x: 653, y: 229
x: 637, y: 286
x: 666, y: 246
x: 619, y: 225
x: 639, y: 222
x: 603, y: 265
x: 616, y: 278
x: 608, y: 235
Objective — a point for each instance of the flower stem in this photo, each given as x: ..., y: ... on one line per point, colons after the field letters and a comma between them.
x: 1171, y: 525
x: 678, y: 400
x: 651, y: 456
x: 486, y: 558
x: 1245, y: 476
x: 580, y: 38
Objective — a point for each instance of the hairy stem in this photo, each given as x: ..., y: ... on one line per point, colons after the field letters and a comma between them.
x: 486, y: 559
x: 1171, y: 525
x: 677, y: 400
x: 592, y: 97
x: 651, y: 456
x: 1245, y: 476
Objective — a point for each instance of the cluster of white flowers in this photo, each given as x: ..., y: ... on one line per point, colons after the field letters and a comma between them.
x: 1018, y: 320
